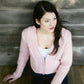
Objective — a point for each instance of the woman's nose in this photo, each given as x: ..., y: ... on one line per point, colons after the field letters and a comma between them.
x: 51, y: 23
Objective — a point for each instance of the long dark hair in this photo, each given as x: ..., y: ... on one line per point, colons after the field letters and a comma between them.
x: 39, y: 10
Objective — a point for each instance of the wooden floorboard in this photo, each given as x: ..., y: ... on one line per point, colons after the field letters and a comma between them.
x: 75, y: 75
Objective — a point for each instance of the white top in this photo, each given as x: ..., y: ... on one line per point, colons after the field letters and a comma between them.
x: 44, y: 51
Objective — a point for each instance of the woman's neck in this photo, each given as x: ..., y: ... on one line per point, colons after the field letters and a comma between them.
x: 45, y: 33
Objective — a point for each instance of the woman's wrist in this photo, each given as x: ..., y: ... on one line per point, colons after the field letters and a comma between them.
x: 17, y: 74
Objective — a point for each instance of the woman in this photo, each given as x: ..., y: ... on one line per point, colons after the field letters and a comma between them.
x: 49, y: 46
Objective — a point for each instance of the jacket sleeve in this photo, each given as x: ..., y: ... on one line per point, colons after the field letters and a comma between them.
x: 23, y: 55
x: 65, y: 62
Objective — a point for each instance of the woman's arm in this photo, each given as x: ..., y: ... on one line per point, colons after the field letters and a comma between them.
x: 23, y: 55
x: 65, y: 62
x: 22, y: 60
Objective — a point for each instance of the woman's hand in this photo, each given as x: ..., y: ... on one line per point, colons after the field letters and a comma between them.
x: 11, y: 77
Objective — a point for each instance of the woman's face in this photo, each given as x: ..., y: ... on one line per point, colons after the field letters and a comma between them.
x: 48, y: 22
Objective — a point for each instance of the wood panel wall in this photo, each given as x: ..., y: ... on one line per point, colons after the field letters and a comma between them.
x: 15, y: 15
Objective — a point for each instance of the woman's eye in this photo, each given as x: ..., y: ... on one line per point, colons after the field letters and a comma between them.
x: 46, y: 20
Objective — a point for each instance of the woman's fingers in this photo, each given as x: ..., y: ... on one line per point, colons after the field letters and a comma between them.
x: 12, y: 80
x: 7, y: 77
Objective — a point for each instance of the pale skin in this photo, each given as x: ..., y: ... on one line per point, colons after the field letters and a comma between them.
x: 44, y: 34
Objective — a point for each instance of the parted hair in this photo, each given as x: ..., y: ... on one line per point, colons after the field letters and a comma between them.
x: 40, y: 9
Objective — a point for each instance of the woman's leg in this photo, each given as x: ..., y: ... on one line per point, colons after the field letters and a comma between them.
x: 65, y: 81
x: 42, y: 79
x: 48, y: 78
x: 37, y: 79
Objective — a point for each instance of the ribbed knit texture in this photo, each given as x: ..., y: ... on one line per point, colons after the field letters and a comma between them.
x: 59, y: 63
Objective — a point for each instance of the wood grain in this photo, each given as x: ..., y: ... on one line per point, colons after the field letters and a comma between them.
x: 15, y: 15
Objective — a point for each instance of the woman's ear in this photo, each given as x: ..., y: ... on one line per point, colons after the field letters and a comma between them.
x: 37, y: 21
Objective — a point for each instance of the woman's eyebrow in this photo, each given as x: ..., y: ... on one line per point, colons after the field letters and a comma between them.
x: 49, y: 18
x: 46, y: 18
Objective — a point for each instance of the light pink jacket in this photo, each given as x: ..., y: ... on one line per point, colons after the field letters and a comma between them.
x: 59, y: 63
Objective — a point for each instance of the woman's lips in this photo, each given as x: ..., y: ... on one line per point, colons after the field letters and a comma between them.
x: 51, y: 28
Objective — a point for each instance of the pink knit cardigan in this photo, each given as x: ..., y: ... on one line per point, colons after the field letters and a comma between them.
x: 59, y: 63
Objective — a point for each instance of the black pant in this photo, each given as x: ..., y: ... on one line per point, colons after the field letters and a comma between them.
x: 45, y: 79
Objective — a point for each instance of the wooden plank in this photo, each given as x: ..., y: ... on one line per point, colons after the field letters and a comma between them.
x: 75, y: 76
x: 9, y: 40
x: 8, y: 55
x: 78, y: 41
x: 72, y: 18
x: 19, y: 3
x: 58, y: 3
x: 78, y: 55
x: 15, y: 17
x: 69, y: 4
x: 81, y: 73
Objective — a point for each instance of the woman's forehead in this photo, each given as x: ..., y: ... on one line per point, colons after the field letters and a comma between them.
x: 49, y: 15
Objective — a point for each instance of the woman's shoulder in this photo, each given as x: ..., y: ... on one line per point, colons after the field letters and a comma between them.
x: 66, y: 32
x: 28, y: 30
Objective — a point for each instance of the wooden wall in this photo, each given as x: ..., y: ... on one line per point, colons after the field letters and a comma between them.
x: 15, y: 15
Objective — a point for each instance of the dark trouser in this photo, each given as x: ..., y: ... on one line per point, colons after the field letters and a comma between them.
x: 45, y: 79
